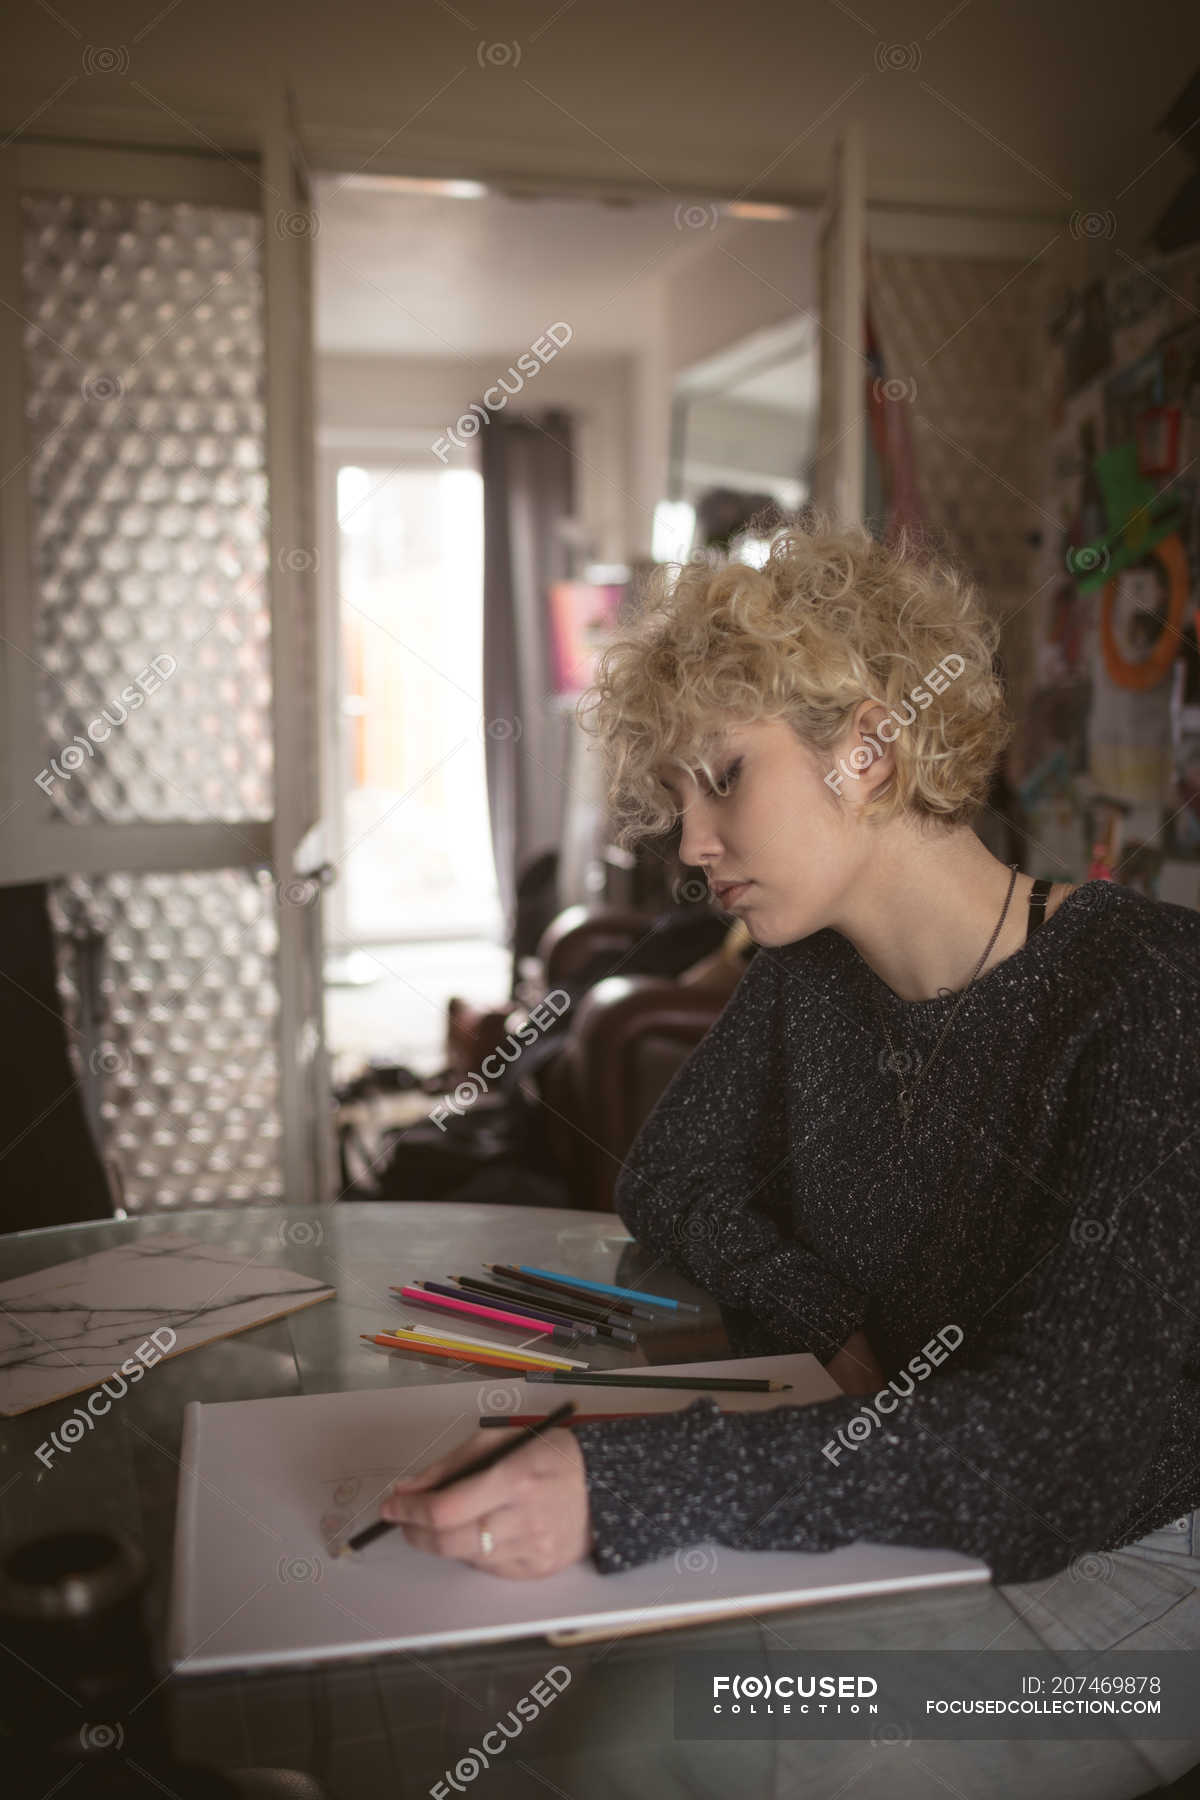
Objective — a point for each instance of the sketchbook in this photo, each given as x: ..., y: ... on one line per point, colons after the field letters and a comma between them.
x: 76, y: 1325
x: 268, y: 1489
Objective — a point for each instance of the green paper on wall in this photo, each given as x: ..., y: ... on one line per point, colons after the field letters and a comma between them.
x: 1143, y: 517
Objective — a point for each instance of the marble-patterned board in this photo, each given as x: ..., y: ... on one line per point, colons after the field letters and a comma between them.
x: 69, y: 1328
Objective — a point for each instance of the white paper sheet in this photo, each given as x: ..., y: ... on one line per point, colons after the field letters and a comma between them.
x: 69, y: 1328
x: 268, y: 1487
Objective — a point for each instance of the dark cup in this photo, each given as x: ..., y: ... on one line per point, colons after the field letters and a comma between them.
x: 80, y: 1687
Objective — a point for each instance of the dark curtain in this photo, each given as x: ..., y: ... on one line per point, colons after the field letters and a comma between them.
x: 528, y: 494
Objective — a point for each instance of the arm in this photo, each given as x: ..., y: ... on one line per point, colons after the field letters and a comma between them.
x: 1028, y: 1444
x: 706, y: 1178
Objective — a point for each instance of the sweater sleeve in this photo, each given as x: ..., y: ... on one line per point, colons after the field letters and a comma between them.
x: 705, y: 1182
x: 1023, y: 1446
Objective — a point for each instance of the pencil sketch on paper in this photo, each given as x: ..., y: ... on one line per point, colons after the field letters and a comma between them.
x: 351, y: 1501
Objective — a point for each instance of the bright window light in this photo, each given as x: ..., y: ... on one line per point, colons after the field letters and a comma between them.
x: 674, y: 526
x: 416, y: 184
x: 753, y: 551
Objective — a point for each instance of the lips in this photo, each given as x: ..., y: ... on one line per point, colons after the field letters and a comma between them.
x: 725, y: 891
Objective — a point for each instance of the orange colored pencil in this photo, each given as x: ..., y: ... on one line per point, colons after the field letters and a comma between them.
x: 427, y: 1349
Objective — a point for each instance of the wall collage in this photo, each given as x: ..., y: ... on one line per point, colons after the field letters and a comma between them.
x: 1106, y: 763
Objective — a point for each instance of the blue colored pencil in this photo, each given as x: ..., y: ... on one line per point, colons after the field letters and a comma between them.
x: 604, y: 1287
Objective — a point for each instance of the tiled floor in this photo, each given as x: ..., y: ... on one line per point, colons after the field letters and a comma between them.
x: 400, y: 1012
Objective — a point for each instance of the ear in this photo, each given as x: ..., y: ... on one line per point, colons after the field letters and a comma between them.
x: 867, y: 755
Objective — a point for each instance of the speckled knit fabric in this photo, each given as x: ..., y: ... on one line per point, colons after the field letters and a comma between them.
x: 1046, y: 1207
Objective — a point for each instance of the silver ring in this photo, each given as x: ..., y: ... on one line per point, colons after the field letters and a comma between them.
x: 487, y: 1542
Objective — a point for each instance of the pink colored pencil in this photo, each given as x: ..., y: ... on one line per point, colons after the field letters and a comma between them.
x: 423, y: 1298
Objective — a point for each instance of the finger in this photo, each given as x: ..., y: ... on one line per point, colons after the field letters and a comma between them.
x: 463, y: 1543
x: 432, y: 1472
x: 467, y: 1501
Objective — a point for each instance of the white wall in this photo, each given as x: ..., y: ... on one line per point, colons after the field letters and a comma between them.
x: 426, y: 395
x: 754, y: 276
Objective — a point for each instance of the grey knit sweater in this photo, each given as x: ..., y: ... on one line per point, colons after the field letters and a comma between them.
x: 1045, y: 1209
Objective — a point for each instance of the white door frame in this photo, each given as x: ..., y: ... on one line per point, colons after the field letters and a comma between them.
x: 34, y: 844
x: 839, y: 471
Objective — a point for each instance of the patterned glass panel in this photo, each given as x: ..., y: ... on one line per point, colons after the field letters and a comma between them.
x: 145, y: 403
x: 960, y: 352
x: 186, y: 1061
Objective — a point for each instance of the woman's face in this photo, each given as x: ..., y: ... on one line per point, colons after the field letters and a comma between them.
x: 779, y: 828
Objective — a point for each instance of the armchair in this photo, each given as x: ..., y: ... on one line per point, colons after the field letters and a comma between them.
x: 628, y: 1036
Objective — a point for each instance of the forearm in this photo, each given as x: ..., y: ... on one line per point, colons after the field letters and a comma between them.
x: 775, y: 1293
x: 956, y: 1468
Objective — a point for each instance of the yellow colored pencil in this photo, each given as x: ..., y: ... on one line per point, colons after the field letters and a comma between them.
x: 410, y: 1334
x: 456, y: 1338
x: 403, y: 1340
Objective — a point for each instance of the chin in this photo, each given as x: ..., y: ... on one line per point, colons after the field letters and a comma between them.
x: 771, y: 933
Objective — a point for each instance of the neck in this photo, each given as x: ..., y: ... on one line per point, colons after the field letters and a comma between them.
x: 923, y: 911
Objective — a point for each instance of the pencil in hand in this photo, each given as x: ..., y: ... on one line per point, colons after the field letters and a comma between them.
x: 476, y: 1466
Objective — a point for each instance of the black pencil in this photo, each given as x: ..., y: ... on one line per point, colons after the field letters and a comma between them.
x: 609, y: 1378
x: 620, y: 1329
x: 509, y: 1272
x: 558, y: 1299
x: 475, y: 1467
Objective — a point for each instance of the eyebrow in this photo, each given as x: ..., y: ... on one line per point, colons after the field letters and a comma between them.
x: 723, y: 754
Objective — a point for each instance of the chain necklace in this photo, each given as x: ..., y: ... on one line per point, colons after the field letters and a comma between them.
x: 907, y: 1090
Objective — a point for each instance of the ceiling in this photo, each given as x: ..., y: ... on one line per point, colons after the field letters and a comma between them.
x: 424, y: 275
x: 1000, y: 105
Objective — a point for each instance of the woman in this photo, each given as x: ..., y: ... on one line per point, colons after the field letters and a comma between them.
x: 944, y: 1104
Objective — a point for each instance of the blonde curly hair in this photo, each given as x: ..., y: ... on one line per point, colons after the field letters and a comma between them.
x: 831, y: 618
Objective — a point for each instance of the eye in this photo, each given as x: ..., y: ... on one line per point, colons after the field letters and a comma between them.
x: 728, y: 780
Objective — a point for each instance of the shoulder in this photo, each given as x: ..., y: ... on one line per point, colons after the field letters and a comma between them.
x: 1143, y: 993
x: 1145, y: 953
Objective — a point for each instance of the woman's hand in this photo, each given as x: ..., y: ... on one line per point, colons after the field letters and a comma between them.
x: 534, y: 1503
x: 855, y: 1368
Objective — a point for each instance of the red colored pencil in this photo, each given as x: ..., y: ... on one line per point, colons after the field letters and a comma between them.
x: 577, y: 1419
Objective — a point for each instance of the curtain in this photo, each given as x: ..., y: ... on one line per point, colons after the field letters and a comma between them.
x: 527, y: 464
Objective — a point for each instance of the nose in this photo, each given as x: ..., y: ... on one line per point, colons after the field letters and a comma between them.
x: 698, y: 842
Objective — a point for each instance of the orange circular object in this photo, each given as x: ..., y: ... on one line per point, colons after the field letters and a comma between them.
x: 1141, y: 676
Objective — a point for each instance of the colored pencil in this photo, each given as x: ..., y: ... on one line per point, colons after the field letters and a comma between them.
x: 722, y: 1383
x: 525, y: 1359
x: 485, y: 1460
x: 510, y: 1272
x: 426, y: 1298
x: 622, y: 1293
x: 485, y: 1295
x: 577, y: 1311
x: 551, y: 1298
x: 460, y: 1337
x: 558, y: 1334
x: 579, y: 1419
x: 517, y: 1363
